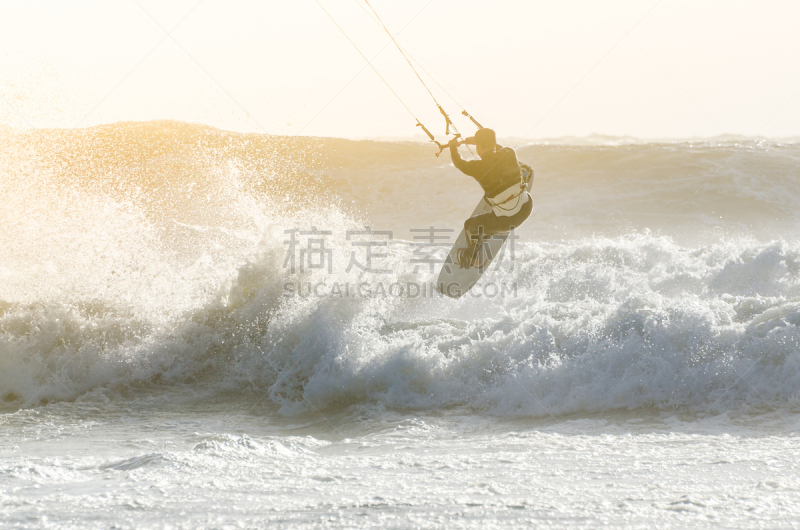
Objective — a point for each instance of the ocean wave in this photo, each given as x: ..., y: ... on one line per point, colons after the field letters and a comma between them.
x: 635, y: 322
x: 153, y: 256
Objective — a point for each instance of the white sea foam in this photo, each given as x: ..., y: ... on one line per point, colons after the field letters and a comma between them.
x: 122, y: 278
x: 597, y: 325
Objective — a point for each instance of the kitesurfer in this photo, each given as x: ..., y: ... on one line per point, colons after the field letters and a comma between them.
x: 498, y: 173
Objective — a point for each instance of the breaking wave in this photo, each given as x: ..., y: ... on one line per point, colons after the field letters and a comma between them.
x: 160, y: 262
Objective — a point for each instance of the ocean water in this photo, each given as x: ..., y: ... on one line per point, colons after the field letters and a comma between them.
x: 201, y: 328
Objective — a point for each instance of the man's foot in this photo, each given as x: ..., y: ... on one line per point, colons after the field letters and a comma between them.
x: 461, y: 258
x: 467, y: 260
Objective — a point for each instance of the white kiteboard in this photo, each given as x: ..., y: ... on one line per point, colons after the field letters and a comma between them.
x: 454, y: 281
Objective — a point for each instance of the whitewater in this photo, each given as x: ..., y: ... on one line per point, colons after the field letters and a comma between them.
x: 202, y: 328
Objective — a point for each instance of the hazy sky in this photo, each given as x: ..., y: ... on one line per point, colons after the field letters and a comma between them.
x: 536, y: 69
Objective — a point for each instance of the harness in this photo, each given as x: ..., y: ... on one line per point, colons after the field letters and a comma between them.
x: 499, y: 202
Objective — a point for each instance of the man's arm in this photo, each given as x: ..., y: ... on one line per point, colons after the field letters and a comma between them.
x: 462, y: 165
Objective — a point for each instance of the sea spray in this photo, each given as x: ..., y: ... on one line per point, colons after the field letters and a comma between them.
x: 146, y: 258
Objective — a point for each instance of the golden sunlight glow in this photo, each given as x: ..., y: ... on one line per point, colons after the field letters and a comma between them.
x: 669, y: 68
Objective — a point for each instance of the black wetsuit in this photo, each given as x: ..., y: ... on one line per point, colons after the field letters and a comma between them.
x: 496, y: 171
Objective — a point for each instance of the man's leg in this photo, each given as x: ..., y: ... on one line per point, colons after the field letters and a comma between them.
x: 507, y: 224
x: 484, y: 226
x: 477, y: 229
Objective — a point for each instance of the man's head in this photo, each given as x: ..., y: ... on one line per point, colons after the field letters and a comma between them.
x: 484, y: 141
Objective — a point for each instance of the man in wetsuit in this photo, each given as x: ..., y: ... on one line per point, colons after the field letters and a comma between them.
x: 498, y: 173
